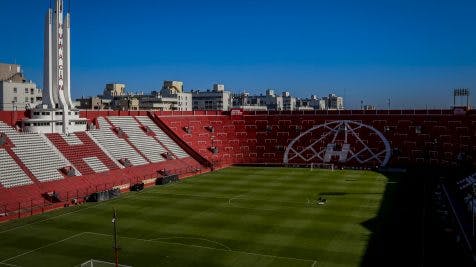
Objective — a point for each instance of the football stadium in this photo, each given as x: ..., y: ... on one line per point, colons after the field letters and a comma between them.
x: 235, y: 186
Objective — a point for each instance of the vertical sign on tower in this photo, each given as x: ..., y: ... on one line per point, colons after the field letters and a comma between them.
x: 60, y: 47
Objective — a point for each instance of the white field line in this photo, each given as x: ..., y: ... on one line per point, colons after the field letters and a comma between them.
x: 53, y: 217
x: 193, y: 238
x: 183, y: 195
x: 42, y: 247
x: 235, y: 197
x: 227, y: 198
x: 230, y: 200
x: 205, y: 247
x: 8, y: 264
x: 128, y: 195
x: 246, y: 208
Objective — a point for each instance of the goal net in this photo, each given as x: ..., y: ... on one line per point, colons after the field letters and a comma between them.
x: 98, y: 263
x: 328, y: 166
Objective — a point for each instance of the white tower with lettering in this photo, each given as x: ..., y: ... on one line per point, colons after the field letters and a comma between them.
x: 57, y: 113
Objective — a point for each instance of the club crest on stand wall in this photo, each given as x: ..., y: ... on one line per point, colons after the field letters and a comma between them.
x: 343, y: 142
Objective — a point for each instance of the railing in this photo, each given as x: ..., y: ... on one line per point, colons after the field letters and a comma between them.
x: 409, y: 112
x: 33, y: 206
x: 460, y: 227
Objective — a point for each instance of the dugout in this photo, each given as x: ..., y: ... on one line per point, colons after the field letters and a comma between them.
x: 52, y: 197
x: 166, y: 179
x: 103, y: 195
x: 137, y: 187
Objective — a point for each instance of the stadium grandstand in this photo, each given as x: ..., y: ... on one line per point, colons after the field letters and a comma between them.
x: 121, y: 150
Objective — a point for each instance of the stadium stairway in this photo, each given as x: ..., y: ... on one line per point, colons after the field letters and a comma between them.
x: 84, y: 148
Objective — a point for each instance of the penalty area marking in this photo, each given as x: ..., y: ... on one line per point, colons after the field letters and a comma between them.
x: 313, y: 262
x: 8, y: 264
x: 183, y: 195
x: 194, y: 238
x: 42, y: 247
x: 230, y: 200
x: 66, y: 213
x: 129, y: 195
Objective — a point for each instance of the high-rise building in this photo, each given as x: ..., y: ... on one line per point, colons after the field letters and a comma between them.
x: 17, y: 93
x: 334, y: 102
x: 178, y: 99
x: 114, y: 89
x: 269, y: 101
x: 218, y: 87
x: 173, y: 85
x: 217, y: 99
x: 289, y: 102
x: 11, y: 72
x: 245, y: 101
x: 312, y: 103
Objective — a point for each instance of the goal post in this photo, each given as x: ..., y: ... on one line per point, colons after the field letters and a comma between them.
x: 328, y: 166
x: 98, y: 263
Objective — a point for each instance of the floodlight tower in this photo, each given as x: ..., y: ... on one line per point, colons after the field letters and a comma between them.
x: 461, y: 93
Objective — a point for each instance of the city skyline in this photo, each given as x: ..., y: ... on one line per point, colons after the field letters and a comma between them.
x: 412, y: 53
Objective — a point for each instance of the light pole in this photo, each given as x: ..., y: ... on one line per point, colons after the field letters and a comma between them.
x: 115, y: 246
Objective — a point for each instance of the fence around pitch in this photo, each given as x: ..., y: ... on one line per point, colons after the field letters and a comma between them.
x: 33, y: 206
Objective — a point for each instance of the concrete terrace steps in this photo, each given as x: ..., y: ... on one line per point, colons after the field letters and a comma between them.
x: 163, y: 137
x: 36, y: 154
x: 115, y: 146
x: 85, y: 148
x: 11, y: 174
x: 147, y: 145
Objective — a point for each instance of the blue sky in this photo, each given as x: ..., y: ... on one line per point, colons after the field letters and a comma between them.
x: 413, y: 52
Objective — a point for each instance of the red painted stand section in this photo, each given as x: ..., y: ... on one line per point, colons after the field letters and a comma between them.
x: 76, y: 153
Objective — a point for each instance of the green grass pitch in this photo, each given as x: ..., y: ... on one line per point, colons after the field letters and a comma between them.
x: 240, y: 216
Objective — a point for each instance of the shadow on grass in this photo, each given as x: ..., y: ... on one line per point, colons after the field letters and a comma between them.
x: 345, y: 193
x: 403, y: 233
x: 396, y: 238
